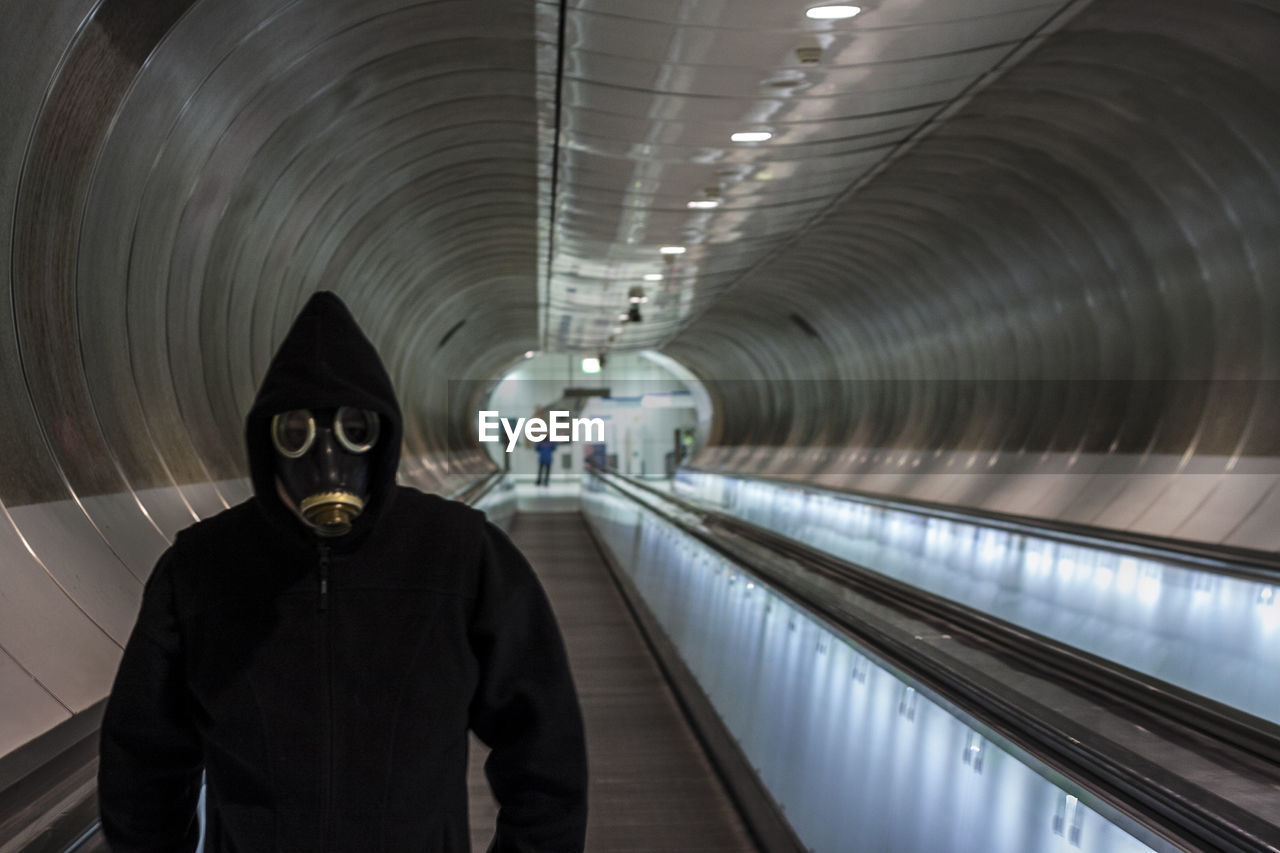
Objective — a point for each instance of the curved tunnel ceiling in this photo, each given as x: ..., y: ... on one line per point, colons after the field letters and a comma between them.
x: 651, y: 94
x: 185, y: 187
x: 1069, y: 286
x: 1022, y: 238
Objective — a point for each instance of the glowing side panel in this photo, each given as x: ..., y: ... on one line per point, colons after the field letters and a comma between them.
x: 1212, y: 634
x: 857, y: 757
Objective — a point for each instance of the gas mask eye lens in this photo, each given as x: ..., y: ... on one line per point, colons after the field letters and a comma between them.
x: 357, y: 429
x: 293, y: 432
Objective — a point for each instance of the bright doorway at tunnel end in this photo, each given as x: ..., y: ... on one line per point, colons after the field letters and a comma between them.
x: 631, y: 412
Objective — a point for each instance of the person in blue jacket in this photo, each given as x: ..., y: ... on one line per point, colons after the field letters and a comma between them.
x: 546, y: 451
x: 320, y: 651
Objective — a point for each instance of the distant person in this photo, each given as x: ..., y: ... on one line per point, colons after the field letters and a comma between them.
x: 321, y: 650
x: 546, y: 451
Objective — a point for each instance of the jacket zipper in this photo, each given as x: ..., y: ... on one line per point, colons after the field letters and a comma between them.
x: 326, y: 654
x: 324, y: 579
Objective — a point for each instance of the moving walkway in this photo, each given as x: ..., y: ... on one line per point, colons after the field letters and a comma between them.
x: 745, y: 689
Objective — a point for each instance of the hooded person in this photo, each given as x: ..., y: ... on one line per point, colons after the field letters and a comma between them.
x: 320, y: 651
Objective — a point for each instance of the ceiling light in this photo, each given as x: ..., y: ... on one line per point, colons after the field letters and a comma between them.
x: 617, y: 329
x: 529, y: 354
x: 832, y: 13
x: 591, y: 365
x: 704, y: 204
x: 672, y: 250
x: 653, y: 276
x: 751, y: 136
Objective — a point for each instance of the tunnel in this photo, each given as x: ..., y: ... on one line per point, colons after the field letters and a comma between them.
x: 916, y: 285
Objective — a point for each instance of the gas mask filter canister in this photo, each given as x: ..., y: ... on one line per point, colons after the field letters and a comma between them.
x: 323, y: 462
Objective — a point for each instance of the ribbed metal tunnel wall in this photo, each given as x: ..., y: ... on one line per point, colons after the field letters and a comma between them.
x: 1062, y: 303
x: 177, y: 178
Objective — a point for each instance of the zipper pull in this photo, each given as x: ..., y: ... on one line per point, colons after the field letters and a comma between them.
x: 324, y: 577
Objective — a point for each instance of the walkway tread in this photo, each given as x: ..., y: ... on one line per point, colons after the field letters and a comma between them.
x: 652, y: 788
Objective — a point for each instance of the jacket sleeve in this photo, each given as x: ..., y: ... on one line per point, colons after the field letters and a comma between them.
x: 526, y: 709
x: 150, y: 757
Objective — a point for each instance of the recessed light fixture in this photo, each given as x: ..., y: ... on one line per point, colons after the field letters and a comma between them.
x: 672, y: 250
x: 653, y: 276
x: 529, y: 354
x: 703, y: 204
x: 751, y: 136
x: 831, y: 13
x: 591, y: 365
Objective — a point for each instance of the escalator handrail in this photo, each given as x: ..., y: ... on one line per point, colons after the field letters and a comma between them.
x: 1234, y: 561
x: 473, y: 492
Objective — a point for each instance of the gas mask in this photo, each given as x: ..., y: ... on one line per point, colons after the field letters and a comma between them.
x: 323, y: 463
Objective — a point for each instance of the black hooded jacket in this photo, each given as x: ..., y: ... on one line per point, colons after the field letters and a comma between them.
x: 333, y: 716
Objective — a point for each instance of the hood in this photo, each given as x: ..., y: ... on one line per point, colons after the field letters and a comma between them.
x: 325, y: 360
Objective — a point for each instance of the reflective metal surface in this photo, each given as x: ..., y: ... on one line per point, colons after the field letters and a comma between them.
x: 651, y: 95
x: 1024, y: 312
